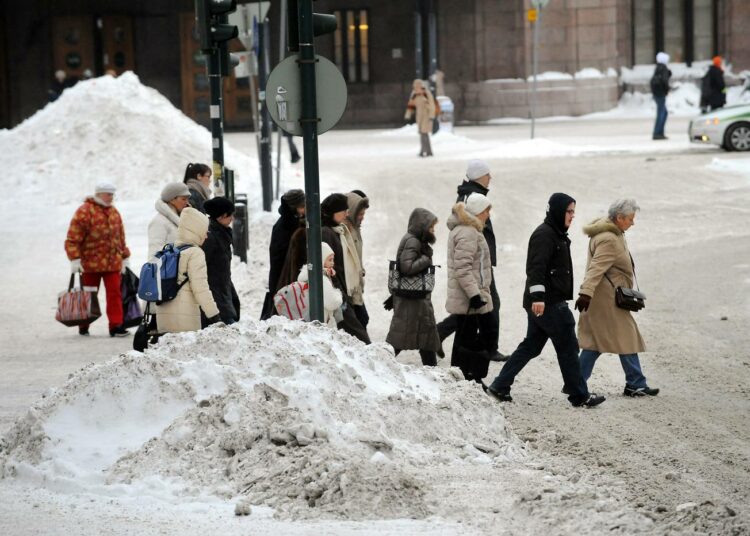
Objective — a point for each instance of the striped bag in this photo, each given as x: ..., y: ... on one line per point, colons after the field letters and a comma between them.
x: 77, y: 306
x: 291, y: 301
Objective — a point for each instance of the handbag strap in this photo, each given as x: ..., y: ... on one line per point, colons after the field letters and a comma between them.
x: 632, y: 263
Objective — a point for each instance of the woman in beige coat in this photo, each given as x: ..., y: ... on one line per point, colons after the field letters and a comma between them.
x: 184, y: 312
x: 422, y: 105
x: 603, y: 327
x: 469, y: 279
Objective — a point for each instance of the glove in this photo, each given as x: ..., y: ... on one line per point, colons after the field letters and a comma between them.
x: 477, y: 302
x: 583, y: 302
x: 125, y: 265
x: 75, y: 266
x: 388, y: 304
x: 214, y: 319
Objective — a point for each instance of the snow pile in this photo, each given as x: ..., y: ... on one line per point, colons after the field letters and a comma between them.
x: 583, y: 74
x: 285, y: 414
x: 642, y: 73
x: 107, y: 128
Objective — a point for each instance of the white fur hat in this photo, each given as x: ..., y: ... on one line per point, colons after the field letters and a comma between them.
x: 326, y: 251
x: 662, y: 57
x: 476, y: 169
x: 476, y: 204
x: 105, y: 188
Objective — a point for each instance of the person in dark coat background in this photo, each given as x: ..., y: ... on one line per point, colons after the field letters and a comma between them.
x: 549, y: 284
x: 413, y: 324
x: 218, y: 250
x: 659, y: 90
x: 713, y: 88
x: 477, y: 180
x: 291, y: 218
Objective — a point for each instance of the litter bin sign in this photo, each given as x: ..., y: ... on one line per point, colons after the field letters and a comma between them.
x: 445, y: 119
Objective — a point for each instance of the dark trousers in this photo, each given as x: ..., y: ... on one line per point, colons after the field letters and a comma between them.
x: 476, y: 337
x: 558, y: 325
x: 429, y: 359
x: 661, y: 115
x: 449, y: 324
x: 362, y: 315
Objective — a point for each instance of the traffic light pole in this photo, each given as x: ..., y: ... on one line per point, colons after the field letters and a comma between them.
x: 309, y: 123
x: 217, y: 114
x: 266, y: 170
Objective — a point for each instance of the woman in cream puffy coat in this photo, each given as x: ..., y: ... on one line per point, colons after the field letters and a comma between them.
x: 184, y: 312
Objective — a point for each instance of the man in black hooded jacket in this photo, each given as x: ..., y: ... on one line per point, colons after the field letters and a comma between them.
x: 549, y: 286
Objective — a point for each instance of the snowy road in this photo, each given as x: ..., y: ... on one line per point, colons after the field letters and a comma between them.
x: 680, y: 461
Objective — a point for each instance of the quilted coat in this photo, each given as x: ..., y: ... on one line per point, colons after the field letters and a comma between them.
x: 97, y: 237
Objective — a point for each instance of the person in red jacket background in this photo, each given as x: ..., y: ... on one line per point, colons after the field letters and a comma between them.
x: 95, y: 245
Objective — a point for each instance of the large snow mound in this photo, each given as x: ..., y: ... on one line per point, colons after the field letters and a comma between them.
x: 107, y: 128
x: 287, y: 414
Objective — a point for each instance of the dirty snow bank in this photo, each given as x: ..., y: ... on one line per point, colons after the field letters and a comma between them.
x: 113, y: 129
x: 285, y: 414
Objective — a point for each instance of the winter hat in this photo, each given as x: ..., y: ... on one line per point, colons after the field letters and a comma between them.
x: 218, y: 206
x: 193, y: 227
x: 556, y: 207
x: 662, y: 57
x: 294, y: 198
x: 476, y: 169
x: 717, y: 61
x: 476, y: 204
x: 105, y: 188
x: 326, y: 251
x: 334, y: 203
x: 174, y: 189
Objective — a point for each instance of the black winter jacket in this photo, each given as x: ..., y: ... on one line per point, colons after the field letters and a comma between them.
x: 715, y: 97
x: 333, y: 239
x: 281, y: 234
x: 660, y: 80
x: 218, y: 249
x: 466, y: 189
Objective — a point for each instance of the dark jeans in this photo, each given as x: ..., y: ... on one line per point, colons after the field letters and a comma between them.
x: 362, y: 315
x: 476, y: 336
x: 429, y: 359
x: 449, y: 324
x: 661, y: 115
x: 557, y: 324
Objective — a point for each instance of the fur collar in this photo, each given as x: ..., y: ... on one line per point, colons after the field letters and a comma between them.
x: 601, y: 225
x: 461, y: 217
x: 167, y: 211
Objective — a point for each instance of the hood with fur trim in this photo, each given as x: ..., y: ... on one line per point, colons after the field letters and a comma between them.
x: 601, y: 225
x: 460, y: 216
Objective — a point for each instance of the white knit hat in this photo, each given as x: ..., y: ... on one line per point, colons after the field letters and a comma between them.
x: 476, y: 204
x: 662, y: 57
x: 105, y: 188
x: 326, y: 251
x: 476, y: 169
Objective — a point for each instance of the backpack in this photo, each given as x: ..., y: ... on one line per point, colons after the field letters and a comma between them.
x: 158, y: 282
x: 291, y: 301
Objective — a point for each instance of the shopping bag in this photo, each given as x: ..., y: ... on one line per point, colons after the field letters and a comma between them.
x: 77, y: 306
x: 131, y: 307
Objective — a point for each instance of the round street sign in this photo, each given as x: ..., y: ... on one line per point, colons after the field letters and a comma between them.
x: 284, y: 95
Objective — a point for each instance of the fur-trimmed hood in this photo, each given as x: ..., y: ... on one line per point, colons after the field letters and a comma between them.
x: 460, y: 216
x: 601, y: 225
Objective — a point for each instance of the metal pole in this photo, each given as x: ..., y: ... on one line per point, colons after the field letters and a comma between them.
x: 266, y: 173
x: 534, y: 54
x: 418, y: 54
x: 309, y: 123
x: 282, y: 55
x: 216, y: 110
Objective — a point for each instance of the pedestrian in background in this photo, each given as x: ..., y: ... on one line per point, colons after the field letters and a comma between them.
x: 477, y: 181
x: 421, y: 106
x: 95, y: 245
x: 469, y: 279
x: 659, y: 90
x: 413, y: 324
x: 713, y: 87
x: 291, y: 219
x: 549, y: 286
x: 162, y: 229
x: 358, y: 205
x: 198, y: 180
x: 602, y: 326
x: 218, y: 250
x: 183, y: 313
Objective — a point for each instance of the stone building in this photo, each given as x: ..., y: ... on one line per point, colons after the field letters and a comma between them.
x: 483, y: 47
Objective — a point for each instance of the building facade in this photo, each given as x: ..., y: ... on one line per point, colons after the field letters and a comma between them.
x: 484, y: 49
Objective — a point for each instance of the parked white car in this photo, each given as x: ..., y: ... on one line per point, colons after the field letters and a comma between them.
x: 727, y: 127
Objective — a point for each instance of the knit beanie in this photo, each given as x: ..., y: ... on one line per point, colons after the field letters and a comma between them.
x: 476, y: 169
x: 334, y: 203
x: 174, y: 189
x: 717, y: 61
x: 294, y: 198
x: 477, y: 203
x: 218, y: 206
x: 662, y: 57
x: 326, y: 251
x: 105, y: 188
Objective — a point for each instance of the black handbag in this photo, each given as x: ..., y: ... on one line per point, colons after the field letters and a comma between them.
x: 147, y: 331
x: 410, y: 286
x: 630, y: 299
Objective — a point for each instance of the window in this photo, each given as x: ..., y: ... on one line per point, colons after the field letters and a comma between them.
x: 352, y: 44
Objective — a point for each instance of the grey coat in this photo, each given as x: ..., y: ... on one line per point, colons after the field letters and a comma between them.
x: 413, y: 325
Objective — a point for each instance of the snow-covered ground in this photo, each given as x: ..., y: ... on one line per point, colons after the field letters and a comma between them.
x: 319, y: 434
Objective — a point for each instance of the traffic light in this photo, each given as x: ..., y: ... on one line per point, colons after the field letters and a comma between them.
x: 212, y: 22
x: 322, y: 24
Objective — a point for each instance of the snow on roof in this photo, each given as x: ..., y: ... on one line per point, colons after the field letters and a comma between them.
x: 106, y: 128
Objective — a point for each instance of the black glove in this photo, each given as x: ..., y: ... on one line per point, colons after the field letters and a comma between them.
x: 583, y: 302
x: 477, y: 302
x: 214, y: 319
x: 388, y: 304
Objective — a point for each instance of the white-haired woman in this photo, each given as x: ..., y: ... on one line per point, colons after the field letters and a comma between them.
x: 603, y: 327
